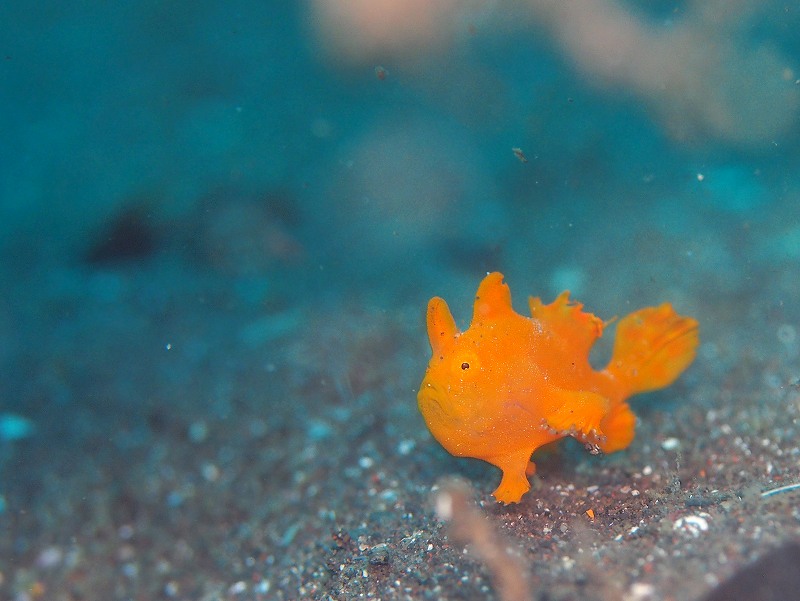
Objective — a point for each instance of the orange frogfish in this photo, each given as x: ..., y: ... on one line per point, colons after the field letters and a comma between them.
x: 509, y: 384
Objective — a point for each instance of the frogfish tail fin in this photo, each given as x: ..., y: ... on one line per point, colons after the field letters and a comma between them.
x: 652, y: 347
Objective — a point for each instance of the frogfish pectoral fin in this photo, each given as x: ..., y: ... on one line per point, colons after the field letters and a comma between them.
x: 618, y: 427
x: 576, y: 413
x: 514, y: 482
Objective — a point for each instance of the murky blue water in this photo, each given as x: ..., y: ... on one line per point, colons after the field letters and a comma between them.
x: 184, y: 186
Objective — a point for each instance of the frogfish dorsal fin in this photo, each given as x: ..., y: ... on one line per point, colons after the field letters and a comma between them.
x: 493, y: 298
x: 568, y: 321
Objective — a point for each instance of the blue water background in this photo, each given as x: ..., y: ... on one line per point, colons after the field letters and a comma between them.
x: 188, y: 188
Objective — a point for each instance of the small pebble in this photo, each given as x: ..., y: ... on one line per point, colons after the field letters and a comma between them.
x: 379, y: 555
x: 671, y: 444
x: 406, y: 446
x: 198, y: 431
x: 692, y: 525
x: 640, y: 591
x: 49, y: 557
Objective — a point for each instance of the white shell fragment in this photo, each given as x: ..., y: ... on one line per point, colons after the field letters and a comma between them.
x: 692, y: 525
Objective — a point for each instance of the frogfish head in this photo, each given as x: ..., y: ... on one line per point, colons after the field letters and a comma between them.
x: 450, y: 404
x: 459, y: 383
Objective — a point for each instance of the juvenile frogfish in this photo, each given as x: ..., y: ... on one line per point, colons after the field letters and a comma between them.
x: 509, y: 384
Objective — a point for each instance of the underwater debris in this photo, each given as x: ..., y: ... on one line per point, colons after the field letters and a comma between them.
x: 468, y: 526
x: 780, y: 489
x: 692, y: 525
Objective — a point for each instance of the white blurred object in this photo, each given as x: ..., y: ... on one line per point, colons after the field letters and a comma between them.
x: 701, y: 73
x: 357, y: 29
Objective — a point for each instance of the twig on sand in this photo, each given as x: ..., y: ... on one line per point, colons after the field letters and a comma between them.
x: 467, y: 525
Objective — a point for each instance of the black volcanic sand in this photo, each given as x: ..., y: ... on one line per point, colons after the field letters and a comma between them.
x: 195, y: 440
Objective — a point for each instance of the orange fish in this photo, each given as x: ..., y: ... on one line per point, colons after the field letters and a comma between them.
x: 509, y: 384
